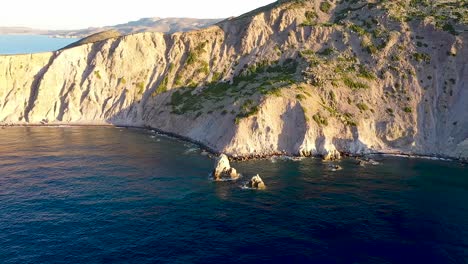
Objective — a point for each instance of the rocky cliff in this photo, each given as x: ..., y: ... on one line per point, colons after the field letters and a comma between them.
x: 294, y: 77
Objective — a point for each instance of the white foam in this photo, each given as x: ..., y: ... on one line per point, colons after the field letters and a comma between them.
x: 210, y: 177
x: 190, y: 150
x: 282, y: 158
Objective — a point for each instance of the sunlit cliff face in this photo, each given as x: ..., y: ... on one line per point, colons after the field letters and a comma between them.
x: 300, y: 78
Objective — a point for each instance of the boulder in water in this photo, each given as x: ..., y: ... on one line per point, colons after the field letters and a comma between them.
x: 256, y: 183
x: 224, y: 170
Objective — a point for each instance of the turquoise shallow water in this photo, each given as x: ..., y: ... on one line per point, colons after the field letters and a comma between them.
x: 21, y: 44
x: 113, y: 195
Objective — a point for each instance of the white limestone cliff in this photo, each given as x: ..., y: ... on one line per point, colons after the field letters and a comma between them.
x: 136, y: 80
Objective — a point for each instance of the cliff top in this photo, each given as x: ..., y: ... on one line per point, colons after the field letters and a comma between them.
x: 104, y: 35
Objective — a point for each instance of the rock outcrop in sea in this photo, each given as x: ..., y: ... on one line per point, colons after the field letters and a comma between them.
x: 256, y: 183
x: 223, y: 169
x: 295, y: 77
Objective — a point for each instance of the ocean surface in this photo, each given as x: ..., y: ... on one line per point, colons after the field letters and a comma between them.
x: 116, y: 195
x: 21, y: 44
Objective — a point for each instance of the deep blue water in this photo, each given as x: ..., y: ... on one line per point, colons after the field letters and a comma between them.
x: 20, y: 44
x: 111, y: 195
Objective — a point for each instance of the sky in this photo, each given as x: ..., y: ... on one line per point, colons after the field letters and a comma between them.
x: 76, y: 14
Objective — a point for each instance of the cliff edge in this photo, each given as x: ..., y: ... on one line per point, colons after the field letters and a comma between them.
x: 294, y: 77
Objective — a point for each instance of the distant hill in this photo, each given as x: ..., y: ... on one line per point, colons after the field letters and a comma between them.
x: 100, y: 36
x: 155, y: 24
x: 22, y: 30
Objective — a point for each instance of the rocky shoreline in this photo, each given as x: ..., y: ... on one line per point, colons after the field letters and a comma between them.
x: 237, y: 158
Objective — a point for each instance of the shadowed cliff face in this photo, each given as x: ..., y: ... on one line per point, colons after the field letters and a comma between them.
x: 292, y: 77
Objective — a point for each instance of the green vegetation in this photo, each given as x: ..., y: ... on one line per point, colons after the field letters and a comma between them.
x: 306, y: 53
x: 354, y: 85
x: 300, y: 97
x: 345, y: 12
x: 421, y: 44
x: 389, y: 111
x: 162, y: 87
x: 123, y: 81
x: 310, y: 16
x: 98, y: 75
x: 141, y: 87
x: 359, y: 30
x: 205, y: 68
x: 366, y: 74
x: 325, y: 7
x: 216, y: 77
x: 171, y: 67
x: 192, y: 57
x: 248, y: 108
x: 272, y: 91
x: 362, y: 106
x: 449, y: 28
x: 327, y: 52
x: 347, y: 119
x: 407, y: 109
x: 261, y: 79
x: 420, y: 57
x: 444, y: 14
x: 332, y: 96
x: 320, y: 120
x: 178, y: 80
x: 368, y: 45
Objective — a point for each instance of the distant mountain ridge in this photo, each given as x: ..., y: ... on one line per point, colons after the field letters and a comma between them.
x: 152, y: 24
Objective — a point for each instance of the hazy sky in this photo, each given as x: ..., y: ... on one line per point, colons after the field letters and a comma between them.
x: 74, y: 14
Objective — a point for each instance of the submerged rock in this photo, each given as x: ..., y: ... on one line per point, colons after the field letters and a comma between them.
x: 334, y: 167
x: 364, y: 162
x: 256, y: 183
x: 224, y: 170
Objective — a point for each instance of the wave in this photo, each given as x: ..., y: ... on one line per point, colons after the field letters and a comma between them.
x: 274, y: 159
x: 210, y: 177
x: 190, y: 151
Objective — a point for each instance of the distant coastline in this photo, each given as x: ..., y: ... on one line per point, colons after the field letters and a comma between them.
x: 153, y: 24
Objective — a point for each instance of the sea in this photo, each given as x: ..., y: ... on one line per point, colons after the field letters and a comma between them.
x: 122, y: 195
x: 24, y: 44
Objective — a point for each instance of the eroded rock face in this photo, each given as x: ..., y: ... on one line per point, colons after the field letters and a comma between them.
x: 223, y: 169
x: 256, y: 183
x: 332, y: 155
x: 413, y: 105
